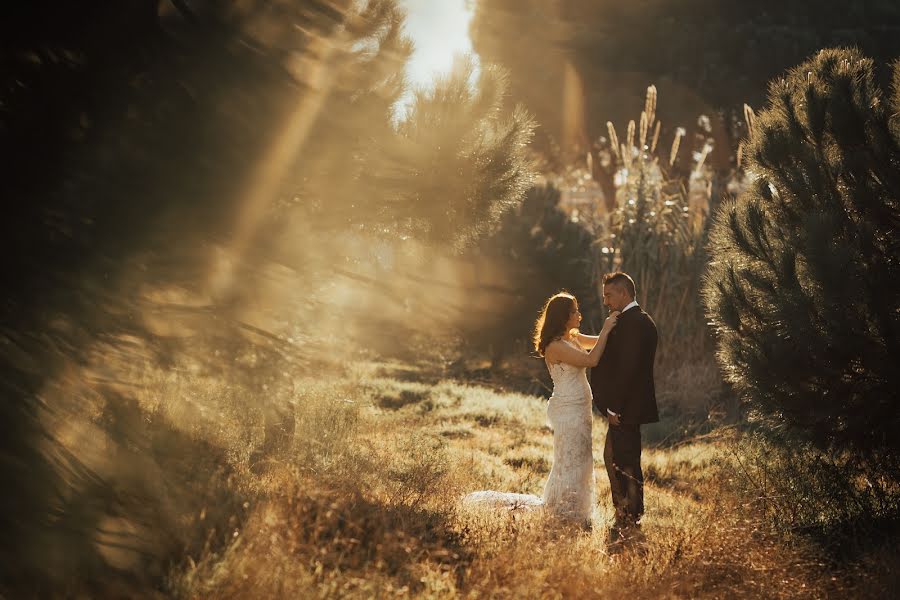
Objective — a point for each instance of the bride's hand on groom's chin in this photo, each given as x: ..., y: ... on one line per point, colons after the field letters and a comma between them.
x: 611, y: 320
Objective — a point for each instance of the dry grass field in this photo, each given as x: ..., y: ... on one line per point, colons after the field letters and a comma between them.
x: 362, y: 499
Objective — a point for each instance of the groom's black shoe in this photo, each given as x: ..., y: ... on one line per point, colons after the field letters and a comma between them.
x: 618, y: 533
x: 625, y: 532
x: 625, y: 521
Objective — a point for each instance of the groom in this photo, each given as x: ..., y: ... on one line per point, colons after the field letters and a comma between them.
x: 622, y: 384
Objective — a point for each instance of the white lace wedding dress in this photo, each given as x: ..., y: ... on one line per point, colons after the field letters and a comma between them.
x: 568, y: 492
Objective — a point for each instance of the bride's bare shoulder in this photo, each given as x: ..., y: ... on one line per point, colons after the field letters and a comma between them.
x: 554, y: 346
x: 551, y: 352
x: 561, y: 351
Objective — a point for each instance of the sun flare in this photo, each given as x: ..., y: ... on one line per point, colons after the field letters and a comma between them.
x: 440, y: 30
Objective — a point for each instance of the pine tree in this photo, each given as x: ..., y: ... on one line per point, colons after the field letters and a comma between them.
x: 804, y: 284
x: 458, y: 161
x: 127, y: 130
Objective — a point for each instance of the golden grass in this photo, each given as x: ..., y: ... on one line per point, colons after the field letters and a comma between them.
x: 362, y: 500
x: 381, y: 516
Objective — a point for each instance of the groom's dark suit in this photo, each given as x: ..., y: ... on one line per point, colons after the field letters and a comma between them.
x: 623, y: 382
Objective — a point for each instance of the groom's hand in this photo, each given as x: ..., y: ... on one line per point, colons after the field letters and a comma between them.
x: 614, y: 420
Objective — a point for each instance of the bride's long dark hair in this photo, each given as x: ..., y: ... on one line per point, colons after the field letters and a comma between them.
x: 551, y: 325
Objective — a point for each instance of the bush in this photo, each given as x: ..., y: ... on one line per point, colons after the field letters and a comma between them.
x: 540, y: 250
x: 804, y: 285
x: 800, y: 490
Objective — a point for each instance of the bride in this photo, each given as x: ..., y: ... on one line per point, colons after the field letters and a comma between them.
x: 568, y: 492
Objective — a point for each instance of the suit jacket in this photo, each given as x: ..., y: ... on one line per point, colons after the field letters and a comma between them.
x: 623, y: 379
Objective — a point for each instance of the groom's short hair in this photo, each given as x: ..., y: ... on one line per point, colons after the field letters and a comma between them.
x: 622, y: 279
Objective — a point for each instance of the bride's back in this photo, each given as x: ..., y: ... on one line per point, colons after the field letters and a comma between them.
x: 569, y: 381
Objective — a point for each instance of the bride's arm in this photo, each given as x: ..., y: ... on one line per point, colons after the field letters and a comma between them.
x: 559, y: 351
x: 608, y: 325
x: 587, y: 341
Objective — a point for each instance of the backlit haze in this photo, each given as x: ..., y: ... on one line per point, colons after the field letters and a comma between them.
x: 440, y: 31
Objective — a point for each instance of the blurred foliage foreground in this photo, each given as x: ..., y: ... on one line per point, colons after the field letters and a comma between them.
x: 185, y: 187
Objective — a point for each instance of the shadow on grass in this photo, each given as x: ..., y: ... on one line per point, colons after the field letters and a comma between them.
x: 396, y: 400
x: 306, y: 531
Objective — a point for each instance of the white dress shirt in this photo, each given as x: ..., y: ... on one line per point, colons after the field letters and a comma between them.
x: 632, y: 304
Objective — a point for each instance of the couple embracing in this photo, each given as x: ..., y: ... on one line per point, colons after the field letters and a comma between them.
x: 621, y: 387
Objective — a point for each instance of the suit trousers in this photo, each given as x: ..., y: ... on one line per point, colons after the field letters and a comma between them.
x: 622, y: 455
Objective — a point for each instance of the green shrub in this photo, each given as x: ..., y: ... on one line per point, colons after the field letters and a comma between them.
x: 829, y: 497
x: 803, y: 288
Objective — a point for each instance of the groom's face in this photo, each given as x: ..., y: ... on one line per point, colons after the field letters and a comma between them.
x: 615, y: 297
